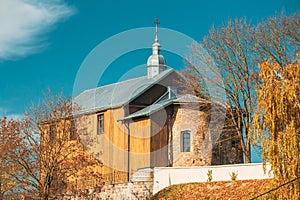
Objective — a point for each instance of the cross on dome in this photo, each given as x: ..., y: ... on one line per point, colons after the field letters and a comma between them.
x: 156, y: 62
x: 156, y: 22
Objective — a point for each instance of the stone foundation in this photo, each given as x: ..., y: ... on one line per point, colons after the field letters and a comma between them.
x: 140, y: 188
x: 133, y: 191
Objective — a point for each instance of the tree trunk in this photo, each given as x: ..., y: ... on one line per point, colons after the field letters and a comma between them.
x: 247, y: 157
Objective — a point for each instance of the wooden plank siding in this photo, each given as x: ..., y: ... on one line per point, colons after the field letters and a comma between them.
x: 113, y: 144
x: 115, y: 150
x: 139, y: 144
x: 160, y: 138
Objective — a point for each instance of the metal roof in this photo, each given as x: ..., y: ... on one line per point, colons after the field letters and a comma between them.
x: 116, y: 94
x: 187, y: 98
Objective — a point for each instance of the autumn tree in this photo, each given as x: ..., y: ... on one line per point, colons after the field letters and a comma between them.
x: 231, y: 53
x: 9, y: 141
x: 52, y: 154
x: 228, y: 51
x: 278, y: 124
x: 278, y: 38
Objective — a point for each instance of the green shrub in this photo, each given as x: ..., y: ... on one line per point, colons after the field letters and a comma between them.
x: 209, y: 175
x: 233, y: 176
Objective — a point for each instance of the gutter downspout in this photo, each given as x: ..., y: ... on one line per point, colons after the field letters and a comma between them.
x: 128, y: 151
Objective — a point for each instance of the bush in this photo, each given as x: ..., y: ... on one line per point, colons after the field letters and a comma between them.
x: 233, y: 176
x: 209, y: 175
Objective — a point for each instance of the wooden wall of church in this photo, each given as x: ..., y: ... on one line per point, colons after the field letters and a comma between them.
x: 118, y: 132
x: 111, y: 147
x: 159, y: 139
x: 139, y: 144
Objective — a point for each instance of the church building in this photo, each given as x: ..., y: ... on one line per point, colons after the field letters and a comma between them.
x: 150, y: 121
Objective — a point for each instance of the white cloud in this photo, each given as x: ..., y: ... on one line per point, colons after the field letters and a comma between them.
x: 9, y: 115
x: 23, y: 24
x: 15, y: 116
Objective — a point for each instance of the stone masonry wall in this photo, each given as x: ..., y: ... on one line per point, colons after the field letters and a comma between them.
x: 127, y: 191
x: 190, y: 118
x: 207, y: 147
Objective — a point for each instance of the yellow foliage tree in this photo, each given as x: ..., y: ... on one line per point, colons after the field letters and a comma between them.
x: 51, y: 158
x: 9, y: 140
x: 277, y: 122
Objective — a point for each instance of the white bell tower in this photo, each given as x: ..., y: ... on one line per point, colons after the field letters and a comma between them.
x: 156, y: 62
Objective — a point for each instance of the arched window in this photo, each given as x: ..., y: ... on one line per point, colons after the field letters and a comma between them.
x: 185, y: 141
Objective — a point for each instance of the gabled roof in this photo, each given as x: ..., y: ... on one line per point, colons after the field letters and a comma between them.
x: 116, y: 94
x: 187, y: 98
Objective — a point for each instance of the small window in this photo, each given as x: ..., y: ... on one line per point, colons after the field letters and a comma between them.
x: 100, y: 124
x: 52, y: 132
x: 186, y: 141
x: 73, y: 130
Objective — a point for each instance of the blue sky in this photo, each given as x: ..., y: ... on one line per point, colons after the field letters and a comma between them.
x: 43, y: 43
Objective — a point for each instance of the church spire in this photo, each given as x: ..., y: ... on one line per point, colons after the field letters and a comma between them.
x: 156, y: 22
x: 156, y: 62
x: 156, y: 45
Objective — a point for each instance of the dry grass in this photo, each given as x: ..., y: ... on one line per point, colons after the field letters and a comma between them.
x: 223, y: 190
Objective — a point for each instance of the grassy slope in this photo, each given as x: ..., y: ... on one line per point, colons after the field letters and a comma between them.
x: 215, y: 190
